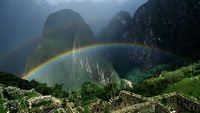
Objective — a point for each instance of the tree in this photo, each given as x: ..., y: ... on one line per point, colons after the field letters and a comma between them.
x: 90, y: 91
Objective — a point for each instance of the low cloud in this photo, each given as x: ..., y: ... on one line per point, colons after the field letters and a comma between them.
x: 55, y: 2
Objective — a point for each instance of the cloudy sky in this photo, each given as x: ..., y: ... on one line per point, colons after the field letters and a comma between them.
x: 55, y: 2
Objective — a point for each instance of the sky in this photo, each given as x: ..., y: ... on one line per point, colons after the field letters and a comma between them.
x: 55, y: 2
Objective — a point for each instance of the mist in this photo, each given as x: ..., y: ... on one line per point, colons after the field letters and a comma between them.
x: 22, y: 23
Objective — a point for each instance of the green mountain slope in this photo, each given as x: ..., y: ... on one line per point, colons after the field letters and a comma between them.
x: 187, y: 86
x: 157, y: 85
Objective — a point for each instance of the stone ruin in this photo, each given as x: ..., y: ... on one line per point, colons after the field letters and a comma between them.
x: 98, y: 106
x: 128, y: 102
x: 44, y: 99
x: 179, y: 103
x: 126, y: 99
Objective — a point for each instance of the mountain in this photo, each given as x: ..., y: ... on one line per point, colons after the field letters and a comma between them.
x: 15, y: 16
x: 20, y: 53
x: 66, y: 31
x: 186, y: 86
x: 12, y: 80
x: 171, y: 25
x: 184, y: 80
x: 62, y: 31
x: 119, y: 30
x: 16, y: 38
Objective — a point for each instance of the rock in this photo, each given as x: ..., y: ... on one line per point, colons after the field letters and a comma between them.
x: 124, y: 102
x: 1, y: 92
x: 133, y: 54
x: 59, y: 110
x: 64, y: 31
x: 44, y: 99
x: 171, y: 25
x: 117, y: 30
x: 127, y: 83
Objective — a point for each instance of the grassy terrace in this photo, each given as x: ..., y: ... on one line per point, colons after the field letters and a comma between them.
x: 185, y: 80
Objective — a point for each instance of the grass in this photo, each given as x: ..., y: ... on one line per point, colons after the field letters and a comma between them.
x: 158, y: 85
x: 187, y: 86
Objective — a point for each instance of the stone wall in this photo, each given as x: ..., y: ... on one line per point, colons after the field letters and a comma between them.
x: 41, y: 99
x: 181, y: 103
x: 117, y: 103
x: 126, y: 99
x: 187, y: 104
x: 146, y: 107
x: 69, y: 107
x: 97, y: 107
x: 161, y: 109
x: 1, y: 92
x: 128, y: 102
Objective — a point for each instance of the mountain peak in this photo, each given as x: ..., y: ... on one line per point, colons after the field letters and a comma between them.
x: 123, y: 17
x: 61, y: 19
x: 64, y: 32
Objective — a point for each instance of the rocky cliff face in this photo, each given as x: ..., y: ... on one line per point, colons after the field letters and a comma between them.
x: 171, y: 25
x: 125, y: 59
x: 62, y: 31
x: 117, y: 30
x: 65, y: 31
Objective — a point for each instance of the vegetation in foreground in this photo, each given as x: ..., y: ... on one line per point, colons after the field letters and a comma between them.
x: 42, y: 88
x: 185, y: 80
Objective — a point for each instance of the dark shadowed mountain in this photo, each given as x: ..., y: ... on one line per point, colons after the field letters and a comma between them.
x: 14, y: 61
x: 171, y: 25
x: 63, y: 31
x: 124, y: 60
x: 12, y: 80
x: 20, y: 25
x: 168, y: 25
x: 117, y: 30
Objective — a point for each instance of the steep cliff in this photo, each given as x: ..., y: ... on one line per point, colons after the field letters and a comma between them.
x: 66, y: 31
x: 117, y: 30
x: 125, y: 59
x: 171, y: 25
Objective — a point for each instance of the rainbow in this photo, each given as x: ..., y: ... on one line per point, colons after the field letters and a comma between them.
x: 94, y: 46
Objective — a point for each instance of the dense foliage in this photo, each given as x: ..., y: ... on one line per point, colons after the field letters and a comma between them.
x: 184, y: 80
x: 11, y: 80
x: 90, y: 92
